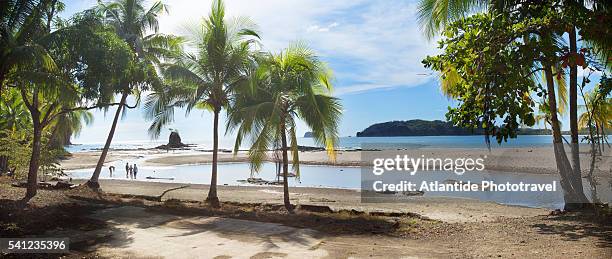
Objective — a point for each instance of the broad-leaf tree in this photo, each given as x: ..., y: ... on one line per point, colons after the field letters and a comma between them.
x: 496, y: 55
x: 571, y: 16
x: 581, y: 18
x: 82, y: 55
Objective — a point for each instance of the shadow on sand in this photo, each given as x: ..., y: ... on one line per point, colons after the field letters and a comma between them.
x: 577, y: 226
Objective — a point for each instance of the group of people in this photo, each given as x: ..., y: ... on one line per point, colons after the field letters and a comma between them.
x: 131, y: 171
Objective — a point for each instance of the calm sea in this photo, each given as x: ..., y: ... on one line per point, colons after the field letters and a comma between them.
x: 356, y: 142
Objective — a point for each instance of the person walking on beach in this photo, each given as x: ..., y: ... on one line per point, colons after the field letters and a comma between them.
x: 131, y: 170
x: 127, y: 170
x: 111, y: 169
x: 135, y: 169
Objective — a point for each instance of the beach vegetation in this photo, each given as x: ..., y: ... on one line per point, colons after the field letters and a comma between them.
x: 72, y: 77
x: 498, y: 55
x: 138, y: 27
x: 285, y: 87
x: 207, y: 77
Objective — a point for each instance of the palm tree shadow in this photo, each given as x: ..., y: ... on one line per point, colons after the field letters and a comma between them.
x: 577, y: 227
x: 111, y: 237
x: 248, y: 231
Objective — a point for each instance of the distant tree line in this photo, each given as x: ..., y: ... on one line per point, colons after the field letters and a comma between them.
x: 430, y: 128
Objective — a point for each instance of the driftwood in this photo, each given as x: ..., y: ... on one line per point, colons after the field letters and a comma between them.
x: 46, y: 185
x: 159, y: 178
x: 159, y: 198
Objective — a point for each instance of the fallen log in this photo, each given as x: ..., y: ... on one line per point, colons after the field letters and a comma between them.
x: 159, y: 198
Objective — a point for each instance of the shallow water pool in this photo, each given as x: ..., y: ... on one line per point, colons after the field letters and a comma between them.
x: 350, y: 178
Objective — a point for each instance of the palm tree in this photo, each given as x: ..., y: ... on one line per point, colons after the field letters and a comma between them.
x: 292, y: 85
x: 68, y: 125
x: 132, y: 23
x: 20, y: 23
x: 207, y: 78
x: 435, y: 15
x: 15, y: 116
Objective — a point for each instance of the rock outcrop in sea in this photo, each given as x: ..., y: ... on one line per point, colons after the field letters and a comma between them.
x: 174, y: 141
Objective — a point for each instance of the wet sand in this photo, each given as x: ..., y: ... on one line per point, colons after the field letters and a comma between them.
x: 539, y: 160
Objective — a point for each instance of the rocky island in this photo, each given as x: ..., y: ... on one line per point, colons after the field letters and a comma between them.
x: 429, y: 128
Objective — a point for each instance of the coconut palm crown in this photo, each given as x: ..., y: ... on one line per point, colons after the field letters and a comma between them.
x: 291, y: 85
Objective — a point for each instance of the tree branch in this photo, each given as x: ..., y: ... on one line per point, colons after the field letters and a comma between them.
x: 82, y: 108
x: 24, y: 96
x: 44, y: 121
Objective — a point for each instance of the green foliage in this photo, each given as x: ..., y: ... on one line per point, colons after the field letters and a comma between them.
x: 291, y: 85
x: 17, y: 147
x: 68, y: 125
x: 132, y: 22
x: 80, y: 64
x: 496, y: 71
x: 92, y: 56
x: 21, y: 23
x: 491, y: 63
x: 15, y: 115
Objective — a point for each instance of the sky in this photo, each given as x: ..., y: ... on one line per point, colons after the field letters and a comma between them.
x: 375, y: 49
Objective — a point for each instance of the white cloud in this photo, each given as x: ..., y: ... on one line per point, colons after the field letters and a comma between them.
x: 370, y: 44
x: 317, y: 28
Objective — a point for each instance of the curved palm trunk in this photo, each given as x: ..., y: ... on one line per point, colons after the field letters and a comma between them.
x: 212, y: 198
x: 573, y: 195
x: 93, y: 181
x: 32, y: 185
x: 286, y: 200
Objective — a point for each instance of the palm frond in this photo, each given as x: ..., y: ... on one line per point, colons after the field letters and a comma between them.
x: 434, y: 15
x: 295, y: 161
x: 562, y: 92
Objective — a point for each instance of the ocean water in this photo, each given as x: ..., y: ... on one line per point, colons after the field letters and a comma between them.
x: 436, y: 142
x: 355, y: 142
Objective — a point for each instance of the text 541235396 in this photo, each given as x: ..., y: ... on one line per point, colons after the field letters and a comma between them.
x: 34, y: 245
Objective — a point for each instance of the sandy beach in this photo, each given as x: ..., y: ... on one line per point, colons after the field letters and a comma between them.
x: 438, y: 208
x: 536, y: 160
